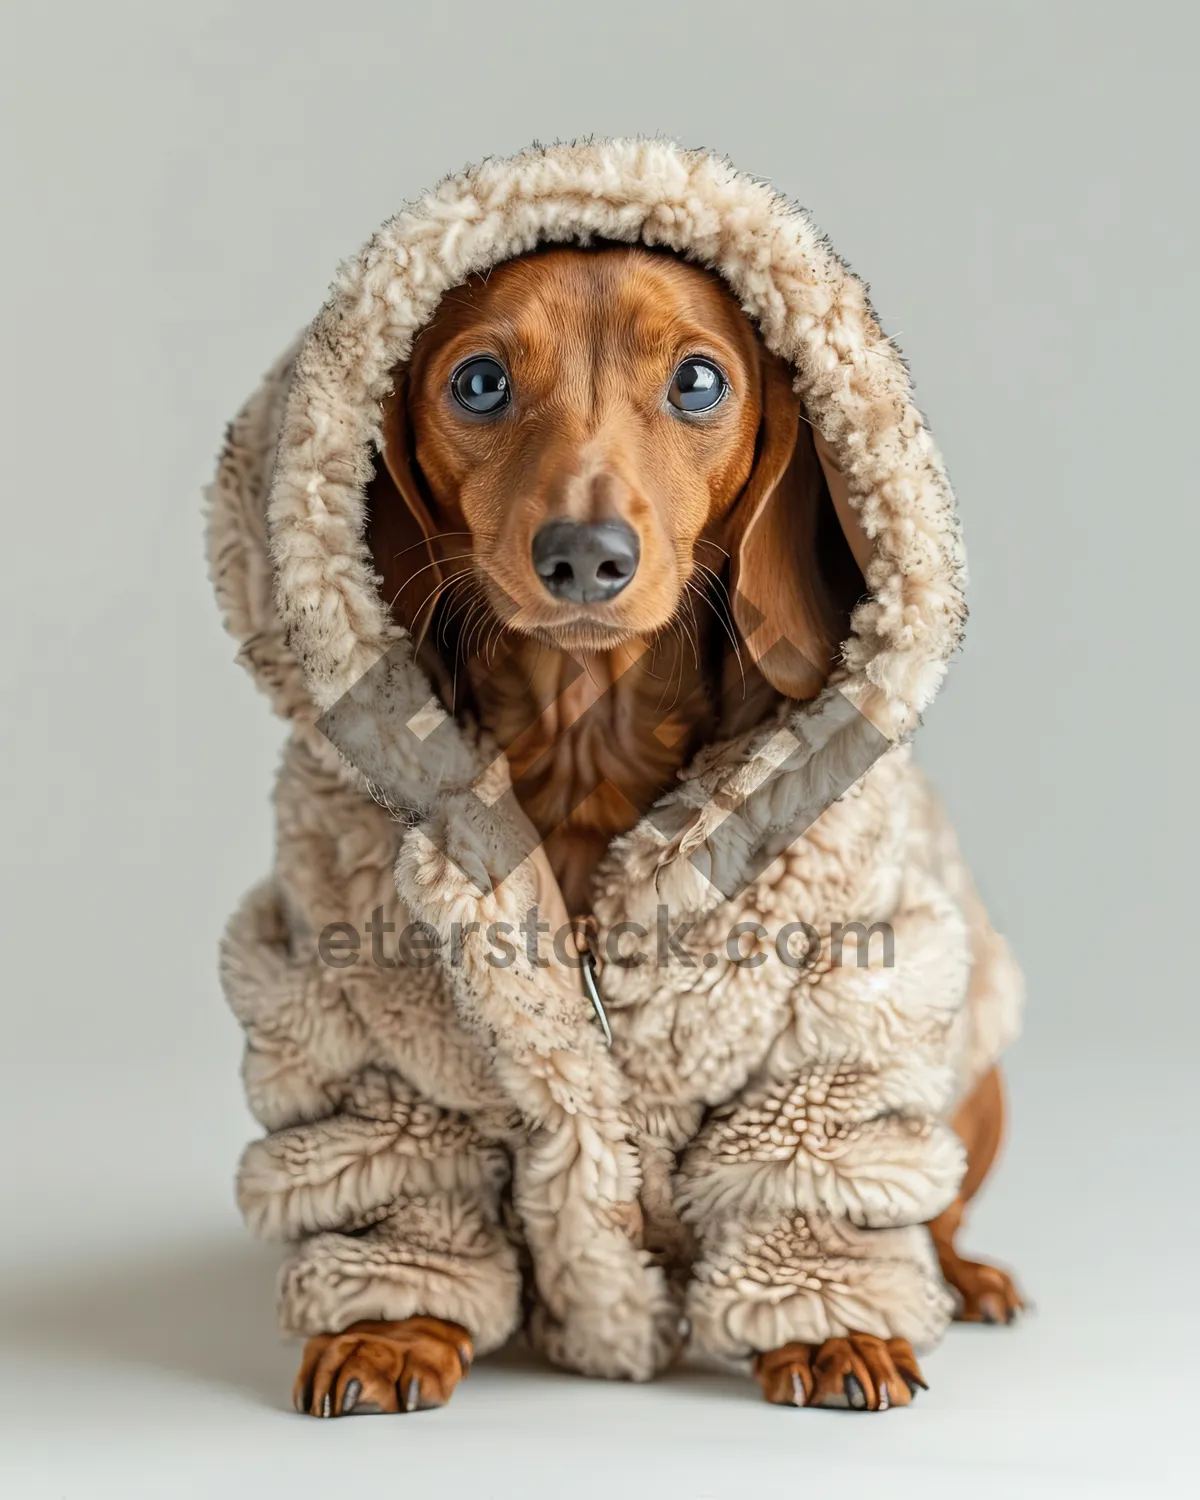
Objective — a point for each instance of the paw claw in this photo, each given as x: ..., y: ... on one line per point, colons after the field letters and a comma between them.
x: 382, y: 1367
x: 993, y: 1310
x: 855, y: 1371
x: 986, y: 1293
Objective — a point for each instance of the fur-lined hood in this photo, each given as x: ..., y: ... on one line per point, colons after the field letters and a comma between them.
x: 314, y: 627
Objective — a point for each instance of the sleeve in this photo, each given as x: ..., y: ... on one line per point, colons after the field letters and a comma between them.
x: 807, y: 1192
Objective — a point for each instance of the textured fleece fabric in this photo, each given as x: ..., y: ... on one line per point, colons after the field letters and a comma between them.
x: 754, y: 1159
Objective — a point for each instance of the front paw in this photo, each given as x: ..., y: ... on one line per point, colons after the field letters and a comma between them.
x: 382, y: 1367
x: 861, y: 1372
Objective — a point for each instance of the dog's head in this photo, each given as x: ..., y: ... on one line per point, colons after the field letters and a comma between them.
x: 586, y: 435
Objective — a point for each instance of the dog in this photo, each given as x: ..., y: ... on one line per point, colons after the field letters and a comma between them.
x: 602, y: 517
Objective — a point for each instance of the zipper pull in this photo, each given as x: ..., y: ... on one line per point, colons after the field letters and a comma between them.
x: 587, y: 973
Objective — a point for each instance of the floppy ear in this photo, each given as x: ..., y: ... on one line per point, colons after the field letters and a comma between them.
x: 794, y: 576
x: 401, y: 531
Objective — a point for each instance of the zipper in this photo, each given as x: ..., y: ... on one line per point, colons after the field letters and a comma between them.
x: 587, y: 972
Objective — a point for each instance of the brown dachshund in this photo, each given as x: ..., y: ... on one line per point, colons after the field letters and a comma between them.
x: 602, y: 509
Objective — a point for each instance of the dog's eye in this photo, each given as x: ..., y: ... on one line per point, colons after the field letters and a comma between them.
x: 481, y: 385
x: 697, y: 385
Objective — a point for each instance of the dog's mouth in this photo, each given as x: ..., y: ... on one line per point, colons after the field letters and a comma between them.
x: 584, y: 632
x: 576, y: 627
x: 523, y: 606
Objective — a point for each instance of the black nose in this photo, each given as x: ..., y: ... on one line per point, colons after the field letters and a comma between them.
x: 585, y: 564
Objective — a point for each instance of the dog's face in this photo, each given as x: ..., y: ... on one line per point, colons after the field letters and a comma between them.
x: 579, y: 427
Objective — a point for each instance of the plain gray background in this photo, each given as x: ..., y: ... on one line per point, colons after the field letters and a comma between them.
x: 1017, y: 184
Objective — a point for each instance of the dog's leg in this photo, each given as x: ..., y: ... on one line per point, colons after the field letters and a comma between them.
x: 394, y: 1314
x: 986, y: 1293
x: 869, y: 1373
x: 860, y: 1298
x: 810, y: 1193
x: 382, y: 1367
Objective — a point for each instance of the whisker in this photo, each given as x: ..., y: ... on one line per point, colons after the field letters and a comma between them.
x: 474, y: 626
x: 537, y: 661
x: 679, y: 667
x: 474, y: 649
x: 425, y: 570
x: 477, y: 614
x: 655, y: 676
x: 458, y: 557
x: 725, y: 615
x: 703, y: 541
x: 425, y: 542
x: 494, y: 636
x: 448, y: 587
x: 437, y: 588
x: 471, y: 598
x: 666, y: 681
x: 678, y: 626
x: 692, y: 592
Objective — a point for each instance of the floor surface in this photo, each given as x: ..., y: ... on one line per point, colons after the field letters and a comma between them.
x: 139, y: 1358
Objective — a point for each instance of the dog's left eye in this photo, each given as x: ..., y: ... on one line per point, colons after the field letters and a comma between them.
x: 481, y: 385
x: 697, y: 385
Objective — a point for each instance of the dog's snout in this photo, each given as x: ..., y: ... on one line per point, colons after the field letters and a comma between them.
x: 585, y: 564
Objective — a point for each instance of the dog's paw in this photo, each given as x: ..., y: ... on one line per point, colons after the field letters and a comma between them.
x: 382, y: 1367
x: 861, y: 1372
x: 986, y: 1294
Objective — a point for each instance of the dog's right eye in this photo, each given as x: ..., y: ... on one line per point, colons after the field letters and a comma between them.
x: 481, y: 385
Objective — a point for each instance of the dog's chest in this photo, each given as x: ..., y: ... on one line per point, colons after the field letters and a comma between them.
x: 591, y: 746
